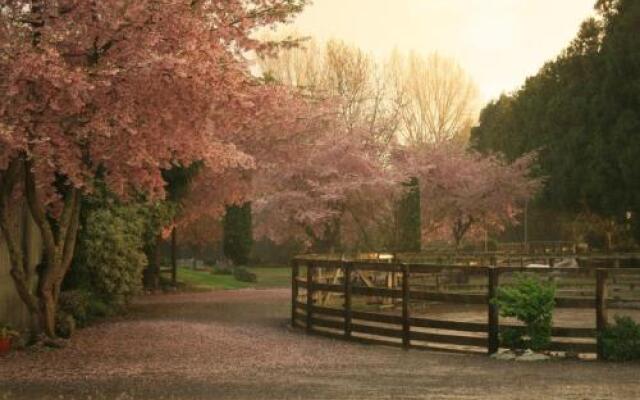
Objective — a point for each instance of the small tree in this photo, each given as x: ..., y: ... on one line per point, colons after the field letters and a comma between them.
x: 531, y: 301
x: 238, y: 236
x: 461, y: 191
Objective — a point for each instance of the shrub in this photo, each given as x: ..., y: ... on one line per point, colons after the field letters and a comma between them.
x: 99, y: 308
x: 531, y: 301
x: 111, y: 253
x: 84, y: 306
x: 242, y: 274
x: 65, y: 324
x: 621, y: 340
x: 76, y: 304
x: 513, y: 338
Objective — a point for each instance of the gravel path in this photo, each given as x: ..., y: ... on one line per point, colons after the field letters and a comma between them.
x: 236, y: 345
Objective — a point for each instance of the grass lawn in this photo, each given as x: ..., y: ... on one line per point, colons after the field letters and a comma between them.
x: 268, y: 277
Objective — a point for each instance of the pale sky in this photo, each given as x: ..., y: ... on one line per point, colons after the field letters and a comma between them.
x: 498, y: 42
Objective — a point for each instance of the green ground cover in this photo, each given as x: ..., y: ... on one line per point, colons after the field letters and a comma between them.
x: 268, y: 277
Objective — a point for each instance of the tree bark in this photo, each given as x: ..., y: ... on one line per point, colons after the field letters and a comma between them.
x: 460, y: 228
x: 59, y: 246
x: 17, y: 242
x: 58, y: 238
x: 174, y: 257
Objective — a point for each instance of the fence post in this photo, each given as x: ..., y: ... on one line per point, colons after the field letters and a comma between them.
x: 310, y: 267
x: 406, y: 298
x: 493, y: 260
x: 493, y: 333
x: 295, y: 271
x: 601, y: 309
x: 347, y: 266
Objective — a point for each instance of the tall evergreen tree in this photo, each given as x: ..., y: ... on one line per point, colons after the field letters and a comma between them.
x: 238, y: 236
x: 582, y: 113
x: 408, y: 214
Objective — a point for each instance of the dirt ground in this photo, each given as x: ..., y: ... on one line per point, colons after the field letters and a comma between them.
x: 237, y: 345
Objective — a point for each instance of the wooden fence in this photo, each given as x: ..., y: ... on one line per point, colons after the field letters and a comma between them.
x: 508, y: 259
x: 416, y: 331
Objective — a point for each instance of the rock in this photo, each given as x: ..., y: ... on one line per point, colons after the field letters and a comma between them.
x: 531, y: 356
x: 567, y: 263
x: 538, y: 266
x: 505, y: 355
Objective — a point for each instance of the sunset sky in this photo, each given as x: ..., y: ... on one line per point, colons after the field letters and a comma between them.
x: 498, y: 42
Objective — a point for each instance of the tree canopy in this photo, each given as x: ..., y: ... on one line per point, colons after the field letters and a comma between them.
x: 581, y: 111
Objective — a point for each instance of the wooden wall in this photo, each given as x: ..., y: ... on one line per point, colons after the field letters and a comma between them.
x: 12, y: 310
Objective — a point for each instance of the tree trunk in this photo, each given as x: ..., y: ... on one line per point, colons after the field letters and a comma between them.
x: 59, y: 246
x: 152, y: 272
x: 174, y: 257
x: 48, y: 313
x: 17, y: 241
x: 460, y: 228
x: 58, y: 238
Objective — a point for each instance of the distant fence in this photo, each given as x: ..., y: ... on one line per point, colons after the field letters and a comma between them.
x: 549, y: 257
x: 530, y: 247
x: 407, y: 286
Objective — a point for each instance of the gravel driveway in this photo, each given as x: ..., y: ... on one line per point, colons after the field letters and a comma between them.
x: 236, y: 345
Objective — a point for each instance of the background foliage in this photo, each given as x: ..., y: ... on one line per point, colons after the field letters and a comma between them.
x: 238, y: 236
x: 582, y: 112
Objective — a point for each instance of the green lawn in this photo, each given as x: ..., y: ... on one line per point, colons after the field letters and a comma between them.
x: 268, y: 277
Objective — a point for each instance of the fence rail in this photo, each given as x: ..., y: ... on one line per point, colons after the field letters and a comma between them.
x: 416, y: 331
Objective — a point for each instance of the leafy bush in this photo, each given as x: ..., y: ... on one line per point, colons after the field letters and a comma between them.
x: 98, y: 308
x: 76, y: 304
x: 65, y: 324
x: 84, y: 306
x: 621, y: 340
x: 531, y: 301
x: 111, y: 253
x: 513, y: 338
x: 242, y: 274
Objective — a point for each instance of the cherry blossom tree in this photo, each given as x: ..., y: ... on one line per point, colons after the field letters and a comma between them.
x: 327, y: 197
x: 275, y: 132
x: 311, y: 198
x: 462, y: 190
x: 115, y: 91
x: 342, y: 173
